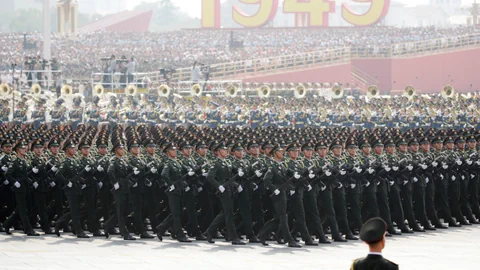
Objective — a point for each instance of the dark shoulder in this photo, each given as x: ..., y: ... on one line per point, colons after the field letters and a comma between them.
x: 369, y: 262
x: 391, y: 265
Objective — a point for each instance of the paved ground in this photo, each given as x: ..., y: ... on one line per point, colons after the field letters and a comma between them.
x: 450, y: 249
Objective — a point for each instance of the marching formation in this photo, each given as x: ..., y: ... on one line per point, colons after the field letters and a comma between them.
x: 264, y: 183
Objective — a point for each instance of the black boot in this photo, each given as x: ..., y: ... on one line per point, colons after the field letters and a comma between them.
x: 129, y: 237
x: 294, y: 244
x: 238, y: 242
x: 32, y: 233
x: 209, y: 238
x: 200, y: 237
x: 253, y: 239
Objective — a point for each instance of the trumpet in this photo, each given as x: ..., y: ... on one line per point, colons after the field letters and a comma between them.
x: 67, y: 90
x: 131, y: 90
x: 98, y: 90
x: 196, y: 90
x: 300, y: 91
x: 163, y: 90
x: 36, y: 89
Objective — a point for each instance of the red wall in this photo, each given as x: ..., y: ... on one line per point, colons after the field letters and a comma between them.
x: 337, y: 73
x: 378, y: 69
x: 136, y: 24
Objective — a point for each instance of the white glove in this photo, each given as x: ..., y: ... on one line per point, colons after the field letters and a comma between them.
x: 415, y: 179
x: 17, y: 185
x: 323, y: 188
x: 136, y: 171
x: 276, y: 192
x: 5, y: 182
x: 441, y: 176
x: 135, y: 185
x: 221, y: 188
x: 255, y: 186
x: 204, y: 173
x: 427, y: 180
x: 311, y: 176
x: 296, y: 175
x: 453, y: 178
x: 54, y: 169
x: 340, y: 186
x: 88, y: 168
x: 378, y: 183
x: 392, y: 183
x: 153, y: 170
x: 328, y: 173
x: 100, y: 185
x: 459, y: 162
x: 187, y: 189
x: 478, y: 162
x: 434, y: 164
x: 445, y: 166
x: 367, y: 184
x: 35, y: 185
x: 199, y: 189
x: 149, y: 184
x: 358, y: 169
x: 469, y: 162
x: 410, y: 167
x: 424, y: 166
x: 116, y: 186
x: 4, y: 168
x: 70, y: 185
x: 191, y: 173
x: 172, y: 188
x: 258, y: 173
x: 370, y: 170
x: 463, y: 177
x: 395, y: 168
x: 240, y: 173
x: 292, y: 192
x: 343, y: 172
x: 309, y: 187
x: 35, y: 170
x: 84, y: 186
x: 352, y: 186
x: 387, y: 169
x: 52, y: 184
x: 472, y: 176
x: 405, y: 182
x: 100, y: 168
x: 240, y: 189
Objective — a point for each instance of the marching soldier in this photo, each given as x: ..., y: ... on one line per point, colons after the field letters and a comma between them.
x: 17, y: 174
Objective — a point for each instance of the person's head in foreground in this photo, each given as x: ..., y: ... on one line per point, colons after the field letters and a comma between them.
x: 373, y: 234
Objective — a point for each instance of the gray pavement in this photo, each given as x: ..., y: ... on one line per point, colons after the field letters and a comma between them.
x: 457, y: 248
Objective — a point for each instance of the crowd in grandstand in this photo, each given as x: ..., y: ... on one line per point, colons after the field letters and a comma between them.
x: 79, y: 56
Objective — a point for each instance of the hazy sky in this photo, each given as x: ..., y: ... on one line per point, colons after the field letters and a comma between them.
x: 193, y: 7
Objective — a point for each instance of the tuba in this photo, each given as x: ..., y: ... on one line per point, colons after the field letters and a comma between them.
x: 409, y: 92
x: 300, y: 91
x: 231, y: 90
x: 98, y: 90
x: 36, y: 89
x: 163, y: 90
x: 196, y: 90
x: 67, y: 90
x: 263, y: 91
x: 373, y: 92
x: 448, y: 91
x: 5, y: 89
x: 337, y: 92
x: 131, y: 90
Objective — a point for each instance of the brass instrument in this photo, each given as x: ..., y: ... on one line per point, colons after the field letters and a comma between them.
x: 67, y: 90
x: 448, y: 91
x: 196, y: 90
x: 373, y: 92
x: 337, y: 91
x: 163, y: 90
x: 409, y: 92
x: 131, y: 90
x: 300, y: 91
x: 231, y: 91
x: 263, y: 91
x: 36, y: 89
x: 98, y: 90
